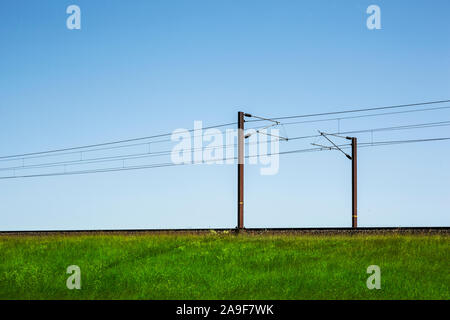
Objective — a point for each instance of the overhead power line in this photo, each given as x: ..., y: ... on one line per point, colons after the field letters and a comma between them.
x: 159, y: 165
x: 406, y: 127
x: 357, y: 110
x: 58, y: 154
x: 110, y: 143
x: 143, y: 155
x: 386, y: 143
x: 132, y: 156
x: 365, y: 116
x: 211, y: 127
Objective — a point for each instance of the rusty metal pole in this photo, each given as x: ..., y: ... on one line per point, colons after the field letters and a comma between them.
x: 240, y: 217
x: 354, y: 184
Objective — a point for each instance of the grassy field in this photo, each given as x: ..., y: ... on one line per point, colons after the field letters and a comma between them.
x: 225, y: 266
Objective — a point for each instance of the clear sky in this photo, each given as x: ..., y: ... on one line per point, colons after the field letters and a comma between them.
x: 138, y: 68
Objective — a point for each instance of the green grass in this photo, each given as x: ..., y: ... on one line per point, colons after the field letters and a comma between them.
x: 225, y: 266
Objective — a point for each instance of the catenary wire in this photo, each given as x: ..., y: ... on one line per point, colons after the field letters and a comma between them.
x: 379, y: 143
x: 167, y: 152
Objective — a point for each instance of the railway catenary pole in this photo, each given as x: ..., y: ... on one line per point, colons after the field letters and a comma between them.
x: 354, y: 159
x: 240, y: 200
x: 240, y: 217
x: 354, y: 184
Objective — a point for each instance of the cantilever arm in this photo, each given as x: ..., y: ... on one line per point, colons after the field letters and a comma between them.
x: 336, y: 146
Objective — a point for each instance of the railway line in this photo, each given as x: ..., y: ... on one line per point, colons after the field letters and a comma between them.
x: 249, y: 231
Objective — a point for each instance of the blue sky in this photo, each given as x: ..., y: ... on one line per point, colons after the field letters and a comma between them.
x: 147, y: 67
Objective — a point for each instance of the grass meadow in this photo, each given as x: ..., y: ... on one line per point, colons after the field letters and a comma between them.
x: 225, y: 266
